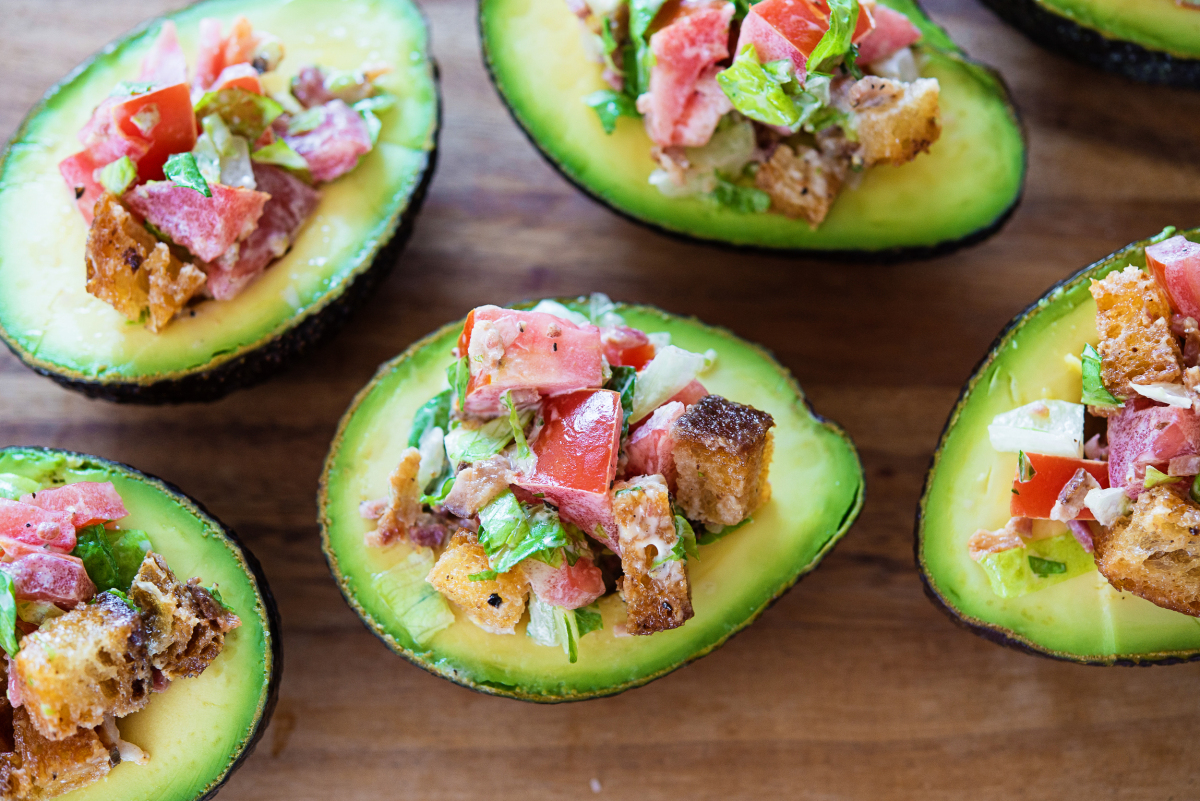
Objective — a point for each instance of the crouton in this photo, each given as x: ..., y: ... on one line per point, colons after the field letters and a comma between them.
x: 659, y: 597
x: 40, y: 768
x: 1155, y: 553
x: 132, y: 271
x: 722, y: 454
x: 895, y: 121
x: 77, y: 668
x: 802, y: 183
x: 495, y: 605
x: 185, y: 625
x: 1133, y: 317
x: 404, y: 501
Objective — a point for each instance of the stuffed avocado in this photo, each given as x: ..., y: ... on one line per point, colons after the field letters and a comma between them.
x: 1062, y: 508
x: 256, y: 169
x: 1157, y: 41
x: 113, y: 657
x: 700, y: 579
x: 736, y: 189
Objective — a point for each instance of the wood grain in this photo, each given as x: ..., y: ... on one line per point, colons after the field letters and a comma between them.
x: 853, y: 686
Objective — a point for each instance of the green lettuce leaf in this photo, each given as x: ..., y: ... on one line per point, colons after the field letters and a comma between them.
x: 757, y: 93
x: 422, y: 610
x: 610, y: 105
x: 281, y: 154
x: 465, y: 444
x: 8, y: 615
x: 510, y: 532
x: 641, y: 15
x: 744, y: 199
x: 1020, y: 571
x: 182, y: 170
x: 835, y: 43
x: 552, y: 625
x: 116, y: 177
x: 624, y: 381
x: 459, y: 375
x: 589, y: 619
x: 435, y: 413
x: 111, y: 558
x: 1094, y: 391
x: 246, y: 113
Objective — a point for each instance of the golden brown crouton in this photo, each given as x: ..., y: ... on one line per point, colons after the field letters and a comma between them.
x: 1155, y: 553
x: 404, y: 501
x: 722, y: 456
x: 39, y: 768
x: 133, y: 272
x: 185, y: 625
x: 802, y: 183
x: 77, y: 668
x: 895, y: 121
x: 657, y: 597
x: 1133, y: 317
x: 495, y: 605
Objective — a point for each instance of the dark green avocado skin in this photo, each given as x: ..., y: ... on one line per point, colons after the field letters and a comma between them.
x: 1090, y: 47
x: 998, y: 635
x: 274, y: 624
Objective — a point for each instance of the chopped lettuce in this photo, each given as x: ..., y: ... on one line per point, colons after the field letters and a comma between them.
x: 1155, y: 477
x: 1094, y: 391
x: 181, y: 169
x: 307, y: 120
x: 246, y: 113
x: 835, y: 43
x: 422, y: 610
x: 670, y: 370
x: 483, y: 575
x: 561, y: 312
x: 610, y: 105
x: 510, y: 531
x: 553, y: 625
x: 744, y: 199
x: 281, y: 154
x: 433, y: 464
x: 435, y: 413
x: 223, y: 157
x: 757, y: 93
x: 13, y: 486
x: 524, y: 461
x: 37, y: 612
x: 641, y: 14
x: 685, y: 542
x: 436, y: 497
x: 589, y: 619
x: 459, y: 375
x: 624, y: 380
x: 116, y: 177
x: 1171, y: 394
x: 111, y: 558
x: 1020, y: 571
x: 1050, y: 427
x: 601, y: 311
x: 711, y: 536
x: 8, y: 615
x: 467, y: 444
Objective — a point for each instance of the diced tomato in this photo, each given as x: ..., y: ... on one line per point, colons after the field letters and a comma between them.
x: 88, y: 502
x: 627, y: 347
x: 164, y: 117
x: 79, y: 172
x: 685, y: 51
x: 577, y: 451
x: 649, y: 449
x: 689, y: 394
x: 1036, y: 497
x: 567, y: 586
x: 529, y: 354
x: 52, y: 577
x: 240, y: 76
x: 210, y: 58
x: 165, y: 64
x: 333, y: 147
x: 1175, y: 262
x: 1143, y: 435
x: 207, y: 226
x: 892, y: 32
x: 240, y: 44
x: 791, y: 29
x: 36, y: 526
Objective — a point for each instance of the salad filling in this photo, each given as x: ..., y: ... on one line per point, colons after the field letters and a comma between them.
x: 810, y: 94
x: 1112, y: 482
x: 191, y: 188
x: 93, y: 624
x: 572, y: 457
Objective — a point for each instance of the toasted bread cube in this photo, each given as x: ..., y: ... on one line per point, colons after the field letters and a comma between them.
x: 1155, y: 553
x: 77, y: 668
x: 657, y: 597
x: 722, y: 456
x: 404, y: 502
x: 185, y: 625
x: 495, y: 605
x: 40, y: 768
x: 895, y: 121
x: 802, y: 183
x: 1133, y: 317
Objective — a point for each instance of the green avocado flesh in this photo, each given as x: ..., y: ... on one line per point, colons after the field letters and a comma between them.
x: 198, y: 729
x: 965, y: 185
x: 1082, y: 619
x: 53, y: 324
x: 1153, y: 24
x: 817, y: 484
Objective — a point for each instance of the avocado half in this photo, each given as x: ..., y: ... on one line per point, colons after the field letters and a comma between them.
x: 817, y: 483
x: 959, y: 193
x: 349, y: 245
x: 968, y: 487
x: 1156, y: 41
x: 200, y: 730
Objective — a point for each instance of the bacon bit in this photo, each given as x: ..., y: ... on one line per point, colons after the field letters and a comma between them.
x: 1082, y: 532
x: 14, y: 686
x: 158, y: 682
x: 476, y: 486
x: 404, y: 502
x: 1092, y: 449
x: 1013, y: 535
x: 1071, y: 497
x: 1188, y: 465
x: 372, y: 510
x: 1187, y: 328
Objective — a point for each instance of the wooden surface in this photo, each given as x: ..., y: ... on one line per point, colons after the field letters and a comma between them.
x: 852, y: 686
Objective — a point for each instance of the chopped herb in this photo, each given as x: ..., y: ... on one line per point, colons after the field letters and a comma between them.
x: 518, y: 428
x: 483, y: 575
x: 1194, y: 492
x: 117, y: 176
x: 246, y: 113
x: 589, y: 619
x: 1046, y: 567
x: 1025, y: 471
x: 130, y: 603
x: 306, y: 121
x: 435, y: 413
x: 744, y: 199
x: 281, y: 154
x: 380, y: 102
x: 181, y: 168
x: 435, y: 498
x: 1155, y: 477
x: 1094, y: 391
x: 610, y: 105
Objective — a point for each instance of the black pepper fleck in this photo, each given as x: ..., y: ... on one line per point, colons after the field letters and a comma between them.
x: 495, y: 600
x: 79, y: 190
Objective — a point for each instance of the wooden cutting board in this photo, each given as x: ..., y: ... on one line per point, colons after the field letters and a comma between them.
x: 852, y: 686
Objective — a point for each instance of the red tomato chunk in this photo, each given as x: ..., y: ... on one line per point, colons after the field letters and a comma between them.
x: 1036, y: 497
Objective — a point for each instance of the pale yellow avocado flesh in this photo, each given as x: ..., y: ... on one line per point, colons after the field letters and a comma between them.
x: 1083, y: 618
x: 817, y: 490
x: 198, y: 728
x: 1154, y: 24
x: 45, y: 311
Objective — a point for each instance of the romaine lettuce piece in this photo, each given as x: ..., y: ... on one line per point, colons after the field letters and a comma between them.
x: 671, y: 369
x: 422, y: 610
x: 1050, y: 427
x: 1038, y: 565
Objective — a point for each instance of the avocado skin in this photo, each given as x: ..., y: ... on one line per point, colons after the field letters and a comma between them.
x: 274, y: 624
x: 260, y: 362
x: 994, y: 633
x: 882, y: 256
x: 515, y: 691
x: 1088, y: 46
